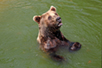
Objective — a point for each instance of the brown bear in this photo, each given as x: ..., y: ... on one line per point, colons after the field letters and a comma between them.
x: 50, y: 36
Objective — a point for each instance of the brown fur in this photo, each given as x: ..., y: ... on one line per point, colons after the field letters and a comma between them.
x: 50, y: 36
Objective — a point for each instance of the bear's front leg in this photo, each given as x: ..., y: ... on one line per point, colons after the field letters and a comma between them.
x: 51, y: 46
x: 74, y: 46
x: 56, y: 57
x: 52, y: 53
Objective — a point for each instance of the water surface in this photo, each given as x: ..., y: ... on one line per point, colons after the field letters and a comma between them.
x: 18, y: 32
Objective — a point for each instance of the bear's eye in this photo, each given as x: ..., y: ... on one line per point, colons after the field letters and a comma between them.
x: 56, y: 14
x: 49, y: 18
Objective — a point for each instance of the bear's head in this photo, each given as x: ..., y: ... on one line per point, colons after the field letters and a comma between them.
x: 50, y: 19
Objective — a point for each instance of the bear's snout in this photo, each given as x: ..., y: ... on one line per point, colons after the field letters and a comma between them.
x: 58, y: 19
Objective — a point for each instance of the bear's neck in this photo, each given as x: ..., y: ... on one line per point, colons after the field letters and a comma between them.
x: 46, y: 32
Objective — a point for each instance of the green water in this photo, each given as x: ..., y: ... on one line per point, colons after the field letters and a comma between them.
x: 82, y: 22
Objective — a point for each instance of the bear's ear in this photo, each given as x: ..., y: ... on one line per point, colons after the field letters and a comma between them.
x: 52, y: 8
x: 37, y: 19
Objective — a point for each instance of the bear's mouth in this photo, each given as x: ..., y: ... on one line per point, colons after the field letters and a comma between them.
x: 60, y: 24
x: 59, y: 21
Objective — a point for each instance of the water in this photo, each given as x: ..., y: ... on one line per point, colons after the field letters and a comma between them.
x: 18, y: 32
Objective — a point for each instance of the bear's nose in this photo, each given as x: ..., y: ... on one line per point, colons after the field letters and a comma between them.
x: 58, y: 18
